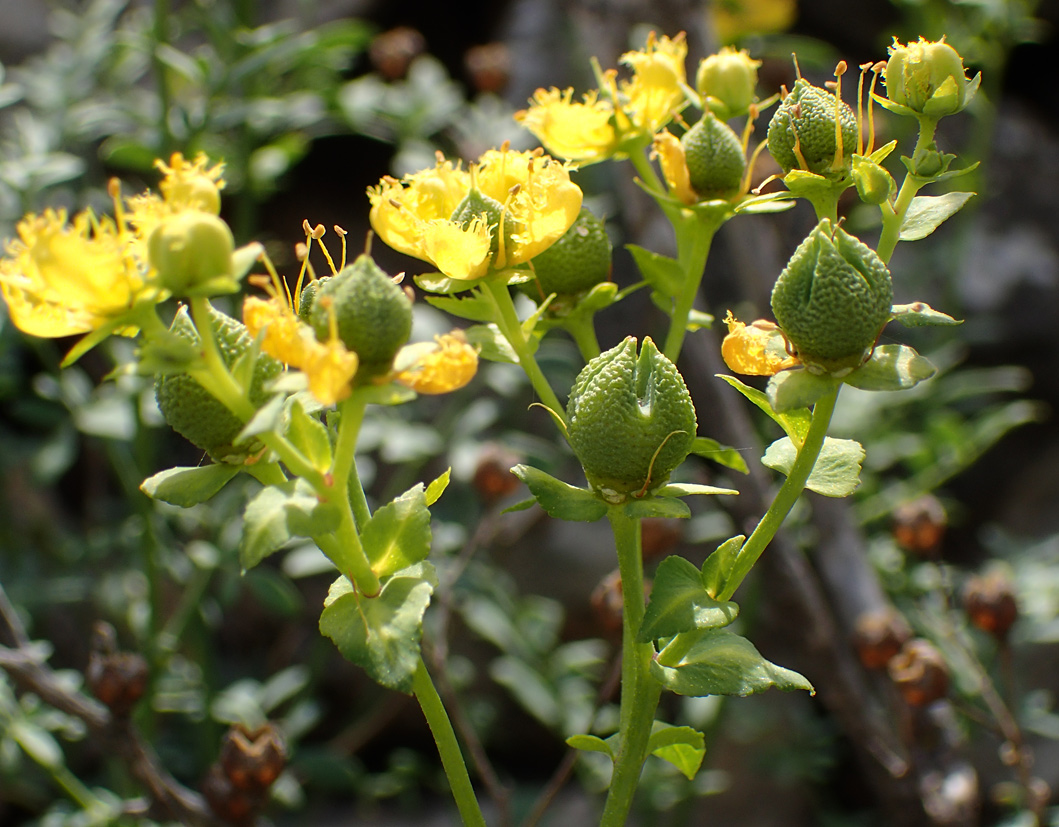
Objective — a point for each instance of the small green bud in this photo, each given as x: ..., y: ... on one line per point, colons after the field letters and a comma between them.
x: 308, y: 297
x: 190, y: 249
x: 928, y: 78
x: 372, y: 314
x: 727, y: 82
x: 579, y: 260
x: 477, y: 204
x: 802, y: 132
x: 874, y: 184
x: 631, y: 420
x: 715, y: 158
x: 833, y: 299
x: 194, y: 412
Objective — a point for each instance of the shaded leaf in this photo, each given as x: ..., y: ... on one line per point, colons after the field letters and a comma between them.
x: 837, y: 469
x: 439, y: 283
x: 688, y: 489
x: 682, y: 746
x: 185, y: 487
x: 309, y: 436
x: 492, y: 344
x: 718, y: 566
x: 663, y: 507
x: 590, y: 743
x: 723, y: 663
x: 680, y: 603
x: 794, y: 422
x: 381, y: 634
x: 559, y: 499
x: 791, y: 390
x: 724, y: 455
x: 278, y: 513
x: 476, y: 308
x: 891, y: 368
x: 664, y: 274
x: 927, y: 212
x: 921, y: 314
x: 398, y: 534
x: 437, y: 487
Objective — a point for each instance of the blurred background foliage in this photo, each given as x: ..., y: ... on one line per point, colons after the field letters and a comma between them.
x: 308, y: 103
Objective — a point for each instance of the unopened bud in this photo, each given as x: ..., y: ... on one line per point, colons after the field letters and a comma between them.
x: 727, y: 82
x: 927, y: 77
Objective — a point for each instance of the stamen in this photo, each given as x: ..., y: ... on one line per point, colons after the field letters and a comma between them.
x: 876, y: 70
x: 840, y: 70
x: 864, y: 67
x: 342, y: 235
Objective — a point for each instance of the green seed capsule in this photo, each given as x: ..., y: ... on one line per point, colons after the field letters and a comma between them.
x: 372, y: 314
x: 715, y: 158
x: 190, y: 249
x: 805, y: 123
x: 477, y: 204
x: 579, y: 260
x: 631, y: 420
x: 833, y: 299
x: 194, y: 412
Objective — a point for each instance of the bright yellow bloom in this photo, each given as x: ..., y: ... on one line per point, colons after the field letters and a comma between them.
x: 577, y: 131
x: 735, y: 18
x: 329, y: 367
x: 446, y: 364
x: 656, y: 90
x: 670, y: 153
x: 61, y: 279
x: 757, y: 349
x: 533, y: 196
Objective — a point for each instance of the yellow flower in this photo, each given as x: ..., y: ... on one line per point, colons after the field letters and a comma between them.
x: 670, y: 153
x: 757, y: 349
x: 734, y: 18
x: 431, y: 215
x: 329, y: 367
x: 61, y: 279
x: 577, y: 131
x: 446, y: 364
x: 656, y: 90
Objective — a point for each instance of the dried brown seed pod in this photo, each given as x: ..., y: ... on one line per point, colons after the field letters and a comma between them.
x: 920, y: 673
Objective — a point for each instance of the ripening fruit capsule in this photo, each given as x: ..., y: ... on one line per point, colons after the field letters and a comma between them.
x: 372, y: 314
x: 927, y: 77
x: 804, y: 125
x: 832, y: 299
x: 579, y: 260
x: 727, y: 81
x: 194, y: 412
x: 631, y: 420
x: 715, y: 158
x: 189, y: 249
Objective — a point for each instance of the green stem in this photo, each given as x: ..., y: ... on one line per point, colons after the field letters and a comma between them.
x: 694, y: 238
x: 507, y: 320
x: 639, y: 690
x: 893, y: 216
x: 583, y: 332
x: 786, y: 497
x: 646, y: 172
x: 344, y: 467
x: 448, y: 747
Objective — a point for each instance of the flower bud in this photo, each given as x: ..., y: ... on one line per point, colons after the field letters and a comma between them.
x: 715, y: 158
x: 631, y: 420
x: 372, y: 316
x: 190, y: 249
x: 927, y: 77
x: 874, y: 184
x: 832, y: 300
x: 727, y: 81
x: 477, y: 204
x: 579, y: 260
x: 194, y: 412
x: 802, y: 132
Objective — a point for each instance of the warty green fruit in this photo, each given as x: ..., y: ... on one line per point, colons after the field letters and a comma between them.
x: 631, y: 420
x: 806, y: 119
x: 579, y: 260
x: 715, y: 158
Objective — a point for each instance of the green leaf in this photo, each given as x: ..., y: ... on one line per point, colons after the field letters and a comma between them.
x: 682, y: 746
x: 662, y: 507
x: 492, y: 344
x: 476, y: 308
x: 920, y: 314
x: 837, y: 469
x: 718, y: 566
x: 437, y: 487
x: 664, y: 274
x: 794, y: 422
x: 529, y: 687
x: 590, y: 743
x: 769, y: 203
x: 883, y: 152
x: 690, y: 489
x: 697, y: 320
x: 398, y: 534
x: 244, y: 259
x: 723, y: 663
x: 724, y: 455
x: 381, y: 634
x: 267, y: 419
x: 36, y: 742
x: 790, y: 390
x: 559, y: 499
x: 185, y: 487
x: 680, y: 603
x: 391, y: 394
x: 524, y: 505
x: 439, y: 283
x: 927, y: 212
x: 309, y: 436
x: 891, y: 368
x: 280, y: 512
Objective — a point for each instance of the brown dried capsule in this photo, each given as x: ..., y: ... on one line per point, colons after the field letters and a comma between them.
x: 392, y: 52
x: 118, y: 679
x: 607, y: 602
x: 493, y: 479
x: 658, y: 535
x: 489, y: 67
x: 879, y: 636
x: 253, y: 759
x: 919, y: 526
x: 920, y: 673
x: 989, y: 601
x: 230, y: 805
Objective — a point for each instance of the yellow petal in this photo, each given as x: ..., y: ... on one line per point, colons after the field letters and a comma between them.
x: 656, y: 89
x: 444, y: 365
x: 330, y: 369
x: 575, y: 131
x: 670, y: 154
x: 757, y: 349
x: 457, y: 252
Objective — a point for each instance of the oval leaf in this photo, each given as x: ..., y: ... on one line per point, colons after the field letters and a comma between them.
x: 795, y: 422
x: 927, y: 212
x: 891, y: 368
x: 398, y: 534
x: 724, y: 455
x: 680, y: 603
x: 921, y: 314
x: 663, y: 507
x: 792, y: 389
x: 723, y: 663
x: 837, y: 469
x: 718, y: 566
x: 681, y: 746
x: 185, y: 487
x: 558, y: 499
